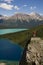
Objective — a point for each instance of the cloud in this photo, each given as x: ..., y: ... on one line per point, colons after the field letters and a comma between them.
x: 25, y: 5
x: 33, y: 7
x: 8, y: 1
x: 10, y: 7
x: 16, y: 7
x: 6, y: 6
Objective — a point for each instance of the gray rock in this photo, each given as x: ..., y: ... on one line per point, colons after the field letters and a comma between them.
x: 33, y: 52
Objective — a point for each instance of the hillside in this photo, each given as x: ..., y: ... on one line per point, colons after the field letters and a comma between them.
x: 22, y: 37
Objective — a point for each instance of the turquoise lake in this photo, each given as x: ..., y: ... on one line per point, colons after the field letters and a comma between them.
x: 5, y: 31
x: 10, y: 50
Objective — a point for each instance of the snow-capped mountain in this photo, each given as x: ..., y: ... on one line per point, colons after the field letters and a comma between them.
x: 27, y: 17
x: 21, y: 20
x: 34, y: 15
x: 20, y: 17
x: 3, y: 17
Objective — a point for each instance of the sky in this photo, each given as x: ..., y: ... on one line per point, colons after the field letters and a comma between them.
x: 11, y: 7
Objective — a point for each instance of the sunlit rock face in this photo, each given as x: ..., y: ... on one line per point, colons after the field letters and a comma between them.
x: 34, y: 53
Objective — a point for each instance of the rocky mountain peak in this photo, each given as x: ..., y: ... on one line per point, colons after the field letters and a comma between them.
x: 35, y: 15
x: 1, y: 15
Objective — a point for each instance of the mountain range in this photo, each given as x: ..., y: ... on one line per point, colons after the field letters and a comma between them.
x: 21, y: 20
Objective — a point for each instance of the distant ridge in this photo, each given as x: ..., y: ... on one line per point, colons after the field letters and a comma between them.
x: 21, y: 20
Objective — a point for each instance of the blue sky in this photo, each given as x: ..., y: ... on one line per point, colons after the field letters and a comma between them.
x: 10, y: 7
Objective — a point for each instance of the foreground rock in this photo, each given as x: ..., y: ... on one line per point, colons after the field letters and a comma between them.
x: 33, y: 52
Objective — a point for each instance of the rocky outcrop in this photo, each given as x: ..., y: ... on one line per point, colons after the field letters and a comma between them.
x: 33, y: 52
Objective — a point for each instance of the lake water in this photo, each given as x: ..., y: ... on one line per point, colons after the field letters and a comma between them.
x: 10, y: 50
x: 5, y: 31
